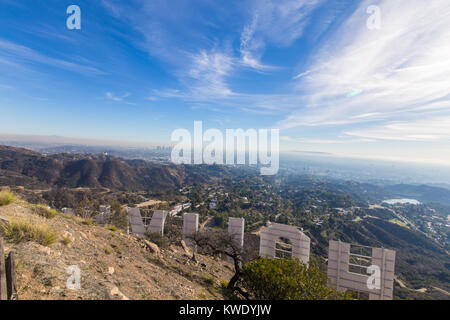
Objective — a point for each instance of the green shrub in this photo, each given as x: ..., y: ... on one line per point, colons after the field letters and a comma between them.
x: 66, y: 241
x: 109, y: 250
x: 111, y: 227
x: 44, y: 211
x: 6, y: 198
x: 87, y: 222
x: 201, y: 296
x: 208, y: 280
x: 286, y: 279
x: 18, y: 230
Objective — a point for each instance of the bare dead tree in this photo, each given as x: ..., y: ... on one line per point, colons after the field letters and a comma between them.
x: 220, y: 243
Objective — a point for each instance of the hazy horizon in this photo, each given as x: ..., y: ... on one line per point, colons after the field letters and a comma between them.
x: 353, y: 168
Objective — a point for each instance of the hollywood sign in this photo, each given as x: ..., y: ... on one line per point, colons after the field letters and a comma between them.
x: 366, y: 271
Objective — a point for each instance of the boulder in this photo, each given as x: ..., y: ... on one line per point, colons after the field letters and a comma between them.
x: 152, y: 246
x: 69, y: 236
x: 113, y: 293
x: 185, y: 247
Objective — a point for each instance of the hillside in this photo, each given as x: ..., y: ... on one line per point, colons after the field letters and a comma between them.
x: 327, y: 209
x: 113, y: 265
x: 22, y: 167
x: 27, y: 168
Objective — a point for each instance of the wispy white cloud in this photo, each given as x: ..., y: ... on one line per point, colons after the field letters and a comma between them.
x: 208, y: 72
x: 282, y: 22
x: 119, y: 98
x: 200, y: 64
x: 251, y: 48
x: 279, y: 23
x: 302, y: 74
x: 400, y: 73
x: 16, y: 54
x: 112, y: 96
x: 433, y: 129
x: 203, y: 78
x: 165, y: 93
x: 323, y: 141
x: 205, y: 65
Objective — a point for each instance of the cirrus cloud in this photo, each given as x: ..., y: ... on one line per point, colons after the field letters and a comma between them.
x: 400, y: 73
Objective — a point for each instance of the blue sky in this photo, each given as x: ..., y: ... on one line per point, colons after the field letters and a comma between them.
x: 137, y: 70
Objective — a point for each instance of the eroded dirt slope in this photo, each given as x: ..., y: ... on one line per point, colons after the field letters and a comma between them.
x: 113, y: 265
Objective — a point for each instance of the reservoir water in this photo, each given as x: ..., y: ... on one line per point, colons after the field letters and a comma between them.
x: 402, y: 201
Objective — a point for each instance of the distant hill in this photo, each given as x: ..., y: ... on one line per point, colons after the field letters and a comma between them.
x: 22, y: 167
x: 27, y: 168
x: 423, y: 193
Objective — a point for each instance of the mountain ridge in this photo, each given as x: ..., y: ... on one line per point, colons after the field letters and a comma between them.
x: 20, y: 166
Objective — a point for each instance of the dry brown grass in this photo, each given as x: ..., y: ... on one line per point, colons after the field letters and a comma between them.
x: 19, y: 230
x: 44, y: 211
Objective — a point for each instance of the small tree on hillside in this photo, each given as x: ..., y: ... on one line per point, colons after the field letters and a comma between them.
x: 119, y: 218
x: 85, y: 208
x: 173, y: 229
x: 220, y: 243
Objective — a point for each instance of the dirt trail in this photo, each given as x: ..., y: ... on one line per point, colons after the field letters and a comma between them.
x: 403, y: 285
x: 149, y: 203
x: 442, y: 291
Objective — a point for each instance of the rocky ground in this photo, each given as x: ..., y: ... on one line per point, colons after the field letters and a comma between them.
x: 112, y: 264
